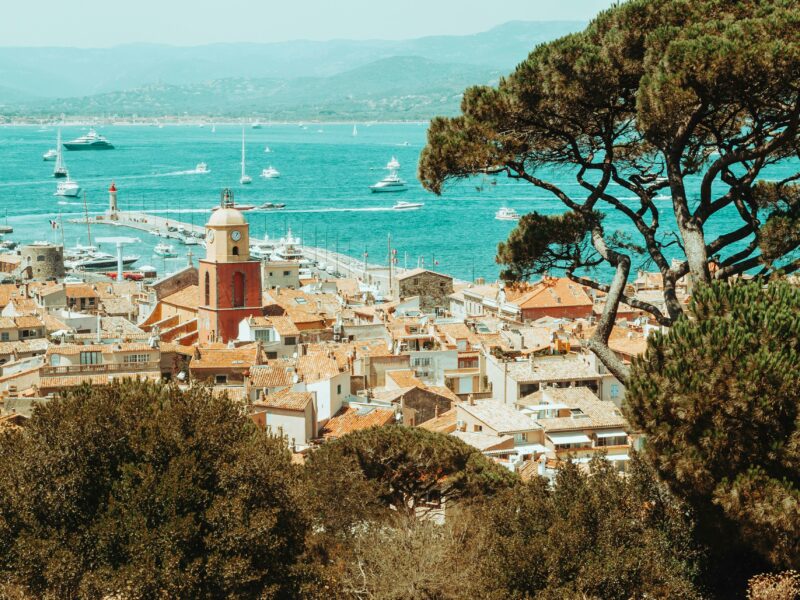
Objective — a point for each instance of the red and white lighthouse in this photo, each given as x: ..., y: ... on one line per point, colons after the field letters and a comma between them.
x: 112, y: 199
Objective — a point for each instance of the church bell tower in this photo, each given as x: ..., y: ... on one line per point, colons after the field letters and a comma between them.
x: 230, y: 282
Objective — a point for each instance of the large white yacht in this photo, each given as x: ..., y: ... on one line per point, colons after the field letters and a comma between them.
x: 89, y: 141
x: 392, y: 182
x: 506, y: 214
x: 288, y: 248
x: 89, y: 258
x: 262, y: 249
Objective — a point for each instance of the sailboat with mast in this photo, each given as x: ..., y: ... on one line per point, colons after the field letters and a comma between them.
x: 245, y: 178
x: 60, y: 170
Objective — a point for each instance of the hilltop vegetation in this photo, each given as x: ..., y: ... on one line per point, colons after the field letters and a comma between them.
x: 373, y: 79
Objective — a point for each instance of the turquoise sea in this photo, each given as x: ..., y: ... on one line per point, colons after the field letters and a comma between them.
x: 325, y: 177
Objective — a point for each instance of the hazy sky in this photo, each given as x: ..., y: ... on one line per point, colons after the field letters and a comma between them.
x: 92, y: 23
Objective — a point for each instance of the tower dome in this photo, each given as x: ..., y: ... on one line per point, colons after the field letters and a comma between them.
x: 224, y: 217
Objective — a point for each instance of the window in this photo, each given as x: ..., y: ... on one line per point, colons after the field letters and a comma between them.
x: 614, y: 390
x: 207, y: 289
x: 264, y: 335
x: 40, y: 258
x: 270, y: 273
x: 520, y: 438
x: 235, y: 251
x: 238, y: 289
x: 421, y: 362
x: 339, y: 390
x: 220, y: 379
x: 286, y: 273
x: 618, y: 440
x: 477, y: 428
x: 91, y: 358
x: 289, y: 340
x: 272, y: 355
x: 134, y: 358
x: 4, y: 336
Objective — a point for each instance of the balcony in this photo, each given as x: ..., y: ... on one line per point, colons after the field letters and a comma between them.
x: 133, y: 367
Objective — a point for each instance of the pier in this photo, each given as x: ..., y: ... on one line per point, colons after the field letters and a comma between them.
x: 381, y: 276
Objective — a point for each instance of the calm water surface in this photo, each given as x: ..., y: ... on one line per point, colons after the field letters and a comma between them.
x: 325, y: 179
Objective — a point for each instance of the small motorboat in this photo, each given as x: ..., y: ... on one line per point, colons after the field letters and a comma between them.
x: 165, y: 250
x: 202, y: 168
x: 506, y: 214
x: 408, y: 205
x: 271, y: 206
x: 51, y: 154
x: 270, y: 173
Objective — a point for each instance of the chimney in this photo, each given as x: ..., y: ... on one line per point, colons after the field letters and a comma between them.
x: 471, y: 400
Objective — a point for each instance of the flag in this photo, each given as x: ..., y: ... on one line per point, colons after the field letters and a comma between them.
x: 53, y: 224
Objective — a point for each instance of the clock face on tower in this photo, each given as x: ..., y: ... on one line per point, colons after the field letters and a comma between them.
x: 210, y: 235
x: 236, y: 235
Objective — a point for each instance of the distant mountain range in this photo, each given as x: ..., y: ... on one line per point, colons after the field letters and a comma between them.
x: 410, y: 79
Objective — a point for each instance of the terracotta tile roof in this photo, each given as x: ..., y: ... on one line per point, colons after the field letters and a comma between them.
x: 444, y: 423
x: 7, y: 323
x: 98, y: 379
x: 28, y: 321
x: 219, y: 356
x: 564, y: 367
x: 80, y: 290
x: 342, y: 351
x: 481, y: 441
x: 390, y: 395
x: 287, y: 400
x: 259, y: 321
x: 457, y: 331
x: 271, y: 376
x: 351, y: 419
x: 188, y: 298
x: 552, y: 292
x: 404, y: 378
x: 176, y: 348
x: 36, y: 346
x: 317, y: 367
x: 284, y: 326
x: 500, y: 417
x: 594, y: 413
x: 52, y: 324
x: 8, y: 291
